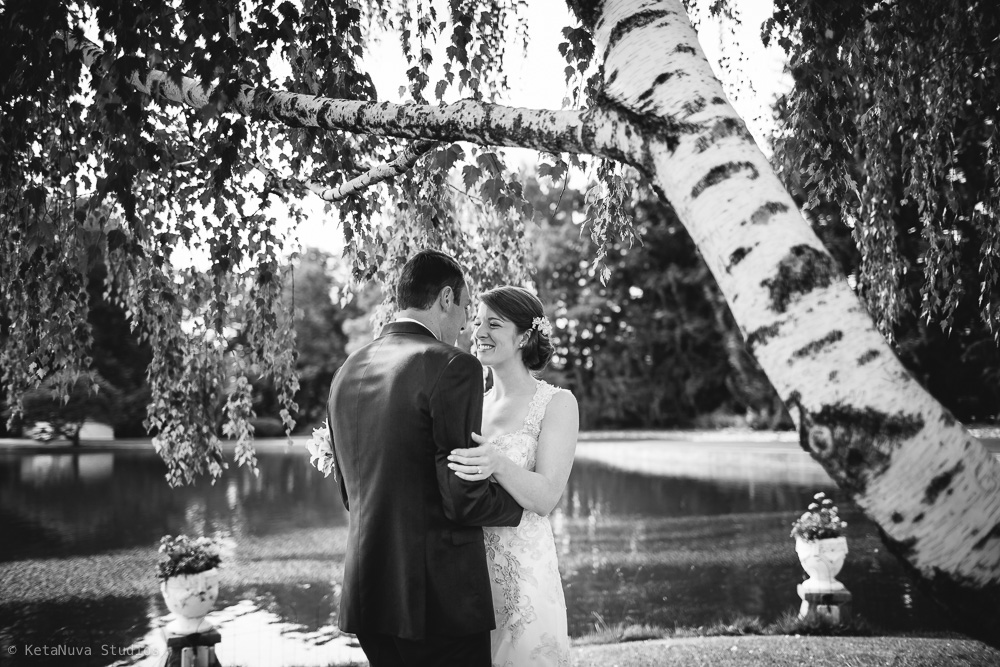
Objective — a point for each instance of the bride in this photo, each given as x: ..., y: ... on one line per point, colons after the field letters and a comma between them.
x: 527, y: 446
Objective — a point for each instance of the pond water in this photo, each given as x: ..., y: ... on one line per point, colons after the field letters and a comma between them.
x: 80, y: 531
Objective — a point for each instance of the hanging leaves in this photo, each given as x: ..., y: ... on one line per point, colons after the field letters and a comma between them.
x: 179, y: 203
x: 607, y: 213
x: 893, y: 121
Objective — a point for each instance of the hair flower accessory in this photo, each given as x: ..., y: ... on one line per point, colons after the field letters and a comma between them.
x: 542, y: 324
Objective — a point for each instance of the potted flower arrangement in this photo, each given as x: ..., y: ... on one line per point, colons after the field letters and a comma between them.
x: 820, y: 545
x: 189, y: 581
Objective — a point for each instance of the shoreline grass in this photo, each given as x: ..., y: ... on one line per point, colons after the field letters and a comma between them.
x: 788, y: 624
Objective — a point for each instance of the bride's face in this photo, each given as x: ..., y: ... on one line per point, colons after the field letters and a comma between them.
x: 496, y: 337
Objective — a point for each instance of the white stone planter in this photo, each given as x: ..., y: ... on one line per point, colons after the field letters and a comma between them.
x: 190, y: 597
x: 822, y: 560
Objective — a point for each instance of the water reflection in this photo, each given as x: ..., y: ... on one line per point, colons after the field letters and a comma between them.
x: 667, y: 550
x: 598, y: 490
x: 255, y: 636
x: 91, y: 631
x: 77, y: 504
x: 45, y: 469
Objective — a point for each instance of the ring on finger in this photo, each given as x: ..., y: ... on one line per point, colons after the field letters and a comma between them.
x: 479, y: 471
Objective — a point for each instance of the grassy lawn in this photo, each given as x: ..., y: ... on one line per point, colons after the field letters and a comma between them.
x: 791, y: 651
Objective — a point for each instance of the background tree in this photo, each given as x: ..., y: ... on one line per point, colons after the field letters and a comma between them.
x: 319, y: 334
x: 119, y: 362
x: 51, y: 415
x: 184, y: 177
x: 314, y: 295
x: 119, y: 358
x: 653, y: 346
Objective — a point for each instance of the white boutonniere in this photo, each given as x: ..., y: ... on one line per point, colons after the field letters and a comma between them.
x: 321, y: 450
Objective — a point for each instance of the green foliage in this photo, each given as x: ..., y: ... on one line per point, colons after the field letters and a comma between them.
x: 119, y: 364
x: 312, y: 294
x: 893, y: 119
x: 583, y: 78
x: 186, y: 555
x: 607, y: 215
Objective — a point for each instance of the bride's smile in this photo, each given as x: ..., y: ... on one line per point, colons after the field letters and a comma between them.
x: 495, y: 336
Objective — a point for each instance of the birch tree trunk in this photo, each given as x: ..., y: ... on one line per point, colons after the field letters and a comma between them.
x: 915, y: 471
x: 929, y: 485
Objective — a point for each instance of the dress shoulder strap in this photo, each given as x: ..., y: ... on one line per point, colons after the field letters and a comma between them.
x: 536, y: 409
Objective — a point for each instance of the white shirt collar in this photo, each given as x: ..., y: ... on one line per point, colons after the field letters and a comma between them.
x: 410, y: 319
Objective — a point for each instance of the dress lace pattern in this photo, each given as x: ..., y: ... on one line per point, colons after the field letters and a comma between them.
x: 527, y: 589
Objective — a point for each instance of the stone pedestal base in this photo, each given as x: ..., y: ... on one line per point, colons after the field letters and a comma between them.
x: 834, y: 606
x: 197, y: 650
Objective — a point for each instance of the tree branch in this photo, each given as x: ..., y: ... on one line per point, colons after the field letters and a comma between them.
x: 382, y: 172
x: 377, y: 174
x: 463, y: 192
x: 273, y: 182
x: 599, y: 131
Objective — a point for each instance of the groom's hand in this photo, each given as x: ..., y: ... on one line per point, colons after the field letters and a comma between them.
x: 477, y: 463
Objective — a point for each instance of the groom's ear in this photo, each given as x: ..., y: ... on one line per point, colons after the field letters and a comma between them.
x: 445, y: 297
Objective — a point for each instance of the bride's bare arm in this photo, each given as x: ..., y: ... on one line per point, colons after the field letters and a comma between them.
x: 537, y: 491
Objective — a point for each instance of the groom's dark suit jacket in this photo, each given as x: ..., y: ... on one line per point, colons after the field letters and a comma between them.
x: 415, y: 562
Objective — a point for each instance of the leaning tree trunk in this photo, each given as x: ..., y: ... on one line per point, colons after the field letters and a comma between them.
x: 915, y: 471
x: 929, y: 486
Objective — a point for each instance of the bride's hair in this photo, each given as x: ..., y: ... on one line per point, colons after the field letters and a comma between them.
x: 522, y: 307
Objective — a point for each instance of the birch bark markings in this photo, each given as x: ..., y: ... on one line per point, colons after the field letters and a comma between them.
x: 597, y: 131
x: 915, y: 471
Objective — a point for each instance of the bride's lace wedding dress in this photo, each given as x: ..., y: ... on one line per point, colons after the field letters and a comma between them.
x: 527, y: 590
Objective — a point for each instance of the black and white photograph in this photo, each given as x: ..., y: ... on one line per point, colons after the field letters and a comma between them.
x: 496, y: 333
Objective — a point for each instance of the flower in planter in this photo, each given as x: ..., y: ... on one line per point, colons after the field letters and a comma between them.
x: 320, y: 448
x: 186, y: 555
x: 820, y: 521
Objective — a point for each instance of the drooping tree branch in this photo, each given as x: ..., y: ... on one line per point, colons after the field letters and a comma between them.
x: 381, y: 172
x: 378, y: 173
x: 274, y: 182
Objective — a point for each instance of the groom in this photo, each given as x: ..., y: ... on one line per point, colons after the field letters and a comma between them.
x: 416, y: 585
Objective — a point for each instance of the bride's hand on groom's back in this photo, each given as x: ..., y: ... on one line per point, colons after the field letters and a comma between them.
x: 477, y: 463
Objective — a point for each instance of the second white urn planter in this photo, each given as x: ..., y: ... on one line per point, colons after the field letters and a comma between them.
x: 190, y: 597
x: 822, y: 561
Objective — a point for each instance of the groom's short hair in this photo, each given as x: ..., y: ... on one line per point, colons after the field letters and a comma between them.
x: 424, y: 276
